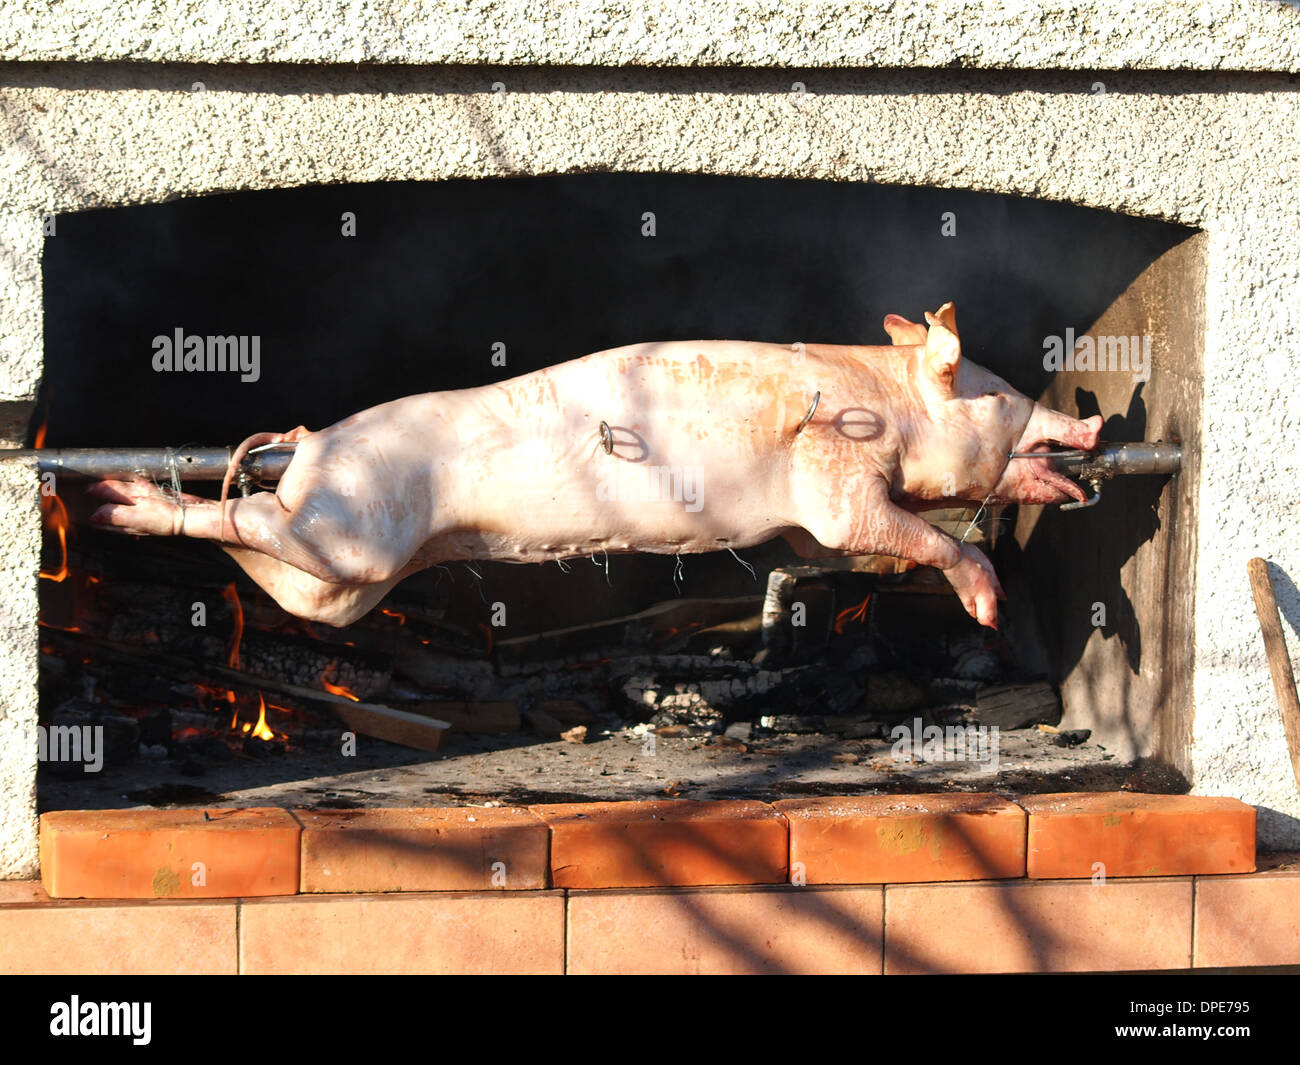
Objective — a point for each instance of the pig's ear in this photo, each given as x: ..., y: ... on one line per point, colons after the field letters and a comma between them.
x: 942, y: 348
x: 904, y: 333
x: 945, y: 316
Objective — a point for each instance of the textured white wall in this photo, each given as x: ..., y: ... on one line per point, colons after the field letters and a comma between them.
x: 20, y: 550
x: 1214, y: 151
x: 1249, y: 496
x: 1056, y: 34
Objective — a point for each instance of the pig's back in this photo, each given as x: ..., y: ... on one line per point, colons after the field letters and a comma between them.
x: 704, y: 452
x: 703, y: 440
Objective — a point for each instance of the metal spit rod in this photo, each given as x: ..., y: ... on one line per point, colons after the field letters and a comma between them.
x: 1114, y: 460
x: 262, y: 465
x: 267, y: 464
x: 1110, y: 460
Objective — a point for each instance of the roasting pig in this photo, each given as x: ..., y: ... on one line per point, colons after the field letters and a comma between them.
x: 674, y: 447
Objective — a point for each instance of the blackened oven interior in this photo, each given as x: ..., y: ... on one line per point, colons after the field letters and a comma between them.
x: 361, y: 294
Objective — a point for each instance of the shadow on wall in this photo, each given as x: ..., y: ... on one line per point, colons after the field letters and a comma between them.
x: 1138, y: 500
x: 1082, y: 595
x: 1287, y: 594
x: 439, y: 276
x: 1110, y: 590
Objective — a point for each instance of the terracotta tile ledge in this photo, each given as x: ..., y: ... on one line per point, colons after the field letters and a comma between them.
x: 862, y: 840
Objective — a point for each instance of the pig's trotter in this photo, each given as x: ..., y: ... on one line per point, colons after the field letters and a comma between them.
x: 141, y: 508
x: 976, y: 585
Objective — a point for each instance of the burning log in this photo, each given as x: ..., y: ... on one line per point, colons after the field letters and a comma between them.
x: 370, y: 719
x: 395, y: 726
x: 653, y: 627
x: 439, y: 673
x: 485, y: 718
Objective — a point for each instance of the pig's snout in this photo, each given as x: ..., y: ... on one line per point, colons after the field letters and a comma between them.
x: 1030, y: 480
x: 1049, y: 427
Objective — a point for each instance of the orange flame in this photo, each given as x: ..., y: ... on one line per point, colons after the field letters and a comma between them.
x: 401, y: 618
x: 232, y: 597
x: 55, y: 516
x: 260, y: 730
x: 337, y: 689
x: 853, y: 613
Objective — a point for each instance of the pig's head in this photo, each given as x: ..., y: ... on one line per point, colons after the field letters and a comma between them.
x: 973, y: 420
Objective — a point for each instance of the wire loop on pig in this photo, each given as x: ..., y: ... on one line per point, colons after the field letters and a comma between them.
x: 808, y: 417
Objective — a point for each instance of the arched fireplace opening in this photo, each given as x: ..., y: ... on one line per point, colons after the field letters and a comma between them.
x: 349, y: 296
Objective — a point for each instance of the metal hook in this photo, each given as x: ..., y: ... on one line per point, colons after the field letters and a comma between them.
x: 1080, y: 504
x: 606, y: 438
x: 1049, y: 454
x: 808, y: 417
x: 283, y: 445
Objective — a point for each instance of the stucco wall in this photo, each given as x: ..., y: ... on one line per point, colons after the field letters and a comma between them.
x: 1212, y: 150
x: 1056, y: 34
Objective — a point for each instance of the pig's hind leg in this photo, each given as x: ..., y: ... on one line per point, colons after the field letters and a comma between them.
x: 309, y: 536
x: 257, y: 536
x: 309, y: 597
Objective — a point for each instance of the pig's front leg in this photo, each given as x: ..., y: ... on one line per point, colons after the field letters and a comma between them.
x: 884, y: 528
x: 976, y: 583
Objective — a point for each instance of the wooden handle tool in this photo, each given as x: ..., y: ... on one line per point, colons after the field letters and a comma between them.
x: 1279, y: 662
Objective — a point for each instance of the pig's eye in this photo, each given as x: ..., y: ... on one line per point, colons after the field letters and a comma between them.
x: 994, y: 394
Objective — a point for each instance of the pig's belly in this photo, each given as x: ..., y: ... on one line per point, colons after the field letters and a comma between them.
x: 534, y: 507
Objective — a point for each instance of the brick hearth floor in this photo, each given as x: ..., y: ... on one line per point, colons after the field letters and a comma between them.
x: 894, y: 884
